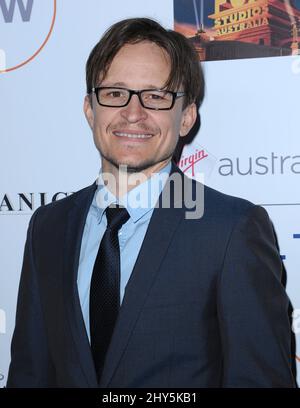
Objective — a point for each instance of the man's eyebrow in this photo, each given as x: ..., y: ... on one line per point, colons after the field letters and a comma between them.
x: 122, y: 84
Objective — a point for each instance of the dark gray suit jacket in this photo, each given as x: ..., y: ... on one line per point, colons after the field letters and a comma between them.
x: 204, y: 306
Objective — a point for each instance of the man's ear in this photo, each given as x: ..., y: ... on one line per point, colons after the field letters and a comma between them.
x: 188, y: 119
x: 88, y: 110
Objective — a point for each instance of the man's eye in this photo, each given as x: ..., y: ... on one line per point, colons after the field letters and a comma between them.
x: 114, y: 94
x: 156, y: 97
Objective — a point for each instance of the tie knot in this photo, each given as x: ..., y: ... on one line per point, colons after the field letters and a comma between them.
x: 116, y: 217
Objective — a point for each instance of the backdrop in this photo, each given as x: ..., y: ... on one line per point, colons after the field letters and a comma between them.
x: 248, y: 144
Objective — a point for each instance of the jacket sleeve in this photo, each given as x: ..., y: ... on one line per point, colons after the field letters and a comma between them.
x: 30, y: 364
x: 253, y: 308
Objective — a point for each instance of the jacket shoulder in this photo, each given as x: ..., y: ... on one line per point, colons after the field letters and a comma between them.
x: 227, y: 202
x: 63, y: 205
x: 216, y: 202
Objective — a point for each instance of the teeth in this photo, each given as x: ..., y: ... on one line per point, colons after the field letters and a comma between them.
x: 133, y: 135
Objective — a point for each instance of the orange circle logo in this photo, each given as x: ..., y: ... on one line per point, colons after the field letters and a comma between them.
x: 25, y: 28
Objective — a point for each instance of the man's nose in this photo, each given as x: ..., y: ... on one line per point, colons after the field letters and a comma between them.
x: 134, y: 111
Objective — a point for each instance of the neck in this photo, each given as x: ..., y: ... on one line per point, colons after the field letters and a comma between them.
x: 119, y: 181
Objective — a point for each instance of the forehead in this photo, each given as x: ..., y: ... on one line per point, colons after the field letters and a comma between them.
x: 139, y: 64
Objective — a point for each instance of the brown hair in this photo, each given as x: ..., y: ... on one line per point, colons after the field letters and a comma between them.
x: 185, y: 67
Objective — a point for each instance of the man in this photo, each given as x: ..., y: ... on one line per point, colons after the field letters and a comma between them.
x: 147, y: 296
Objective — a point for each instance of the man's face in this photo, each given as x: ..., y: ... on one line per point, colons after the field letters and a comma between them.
x: 137, y: 66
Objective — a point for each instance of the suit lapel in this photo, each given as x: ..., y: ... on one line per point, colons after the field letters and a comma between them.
x: 162, y: 227
x: 74, y: 230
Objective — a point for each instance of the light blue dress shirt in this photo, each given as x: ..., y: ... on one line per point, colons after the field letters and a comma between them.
x: 140, y: 203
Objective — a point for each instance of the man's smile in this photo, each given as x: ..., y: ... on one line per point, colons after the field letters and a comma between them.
x: 133, y: 135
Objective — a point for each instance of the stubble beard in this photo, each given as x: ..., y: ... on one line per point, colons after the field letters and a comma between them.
x: 145, y: 165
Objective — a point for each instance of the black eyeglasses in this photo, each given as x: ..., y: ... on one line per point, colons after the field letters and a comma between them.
x: 156, y: 99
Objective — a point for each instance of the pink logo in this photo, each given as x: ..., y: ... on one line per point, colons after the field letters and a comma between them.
x: 187, y: 163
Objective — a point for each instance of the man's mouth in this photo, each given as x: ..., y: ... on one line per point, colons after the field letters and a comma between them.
x: 133, y: 135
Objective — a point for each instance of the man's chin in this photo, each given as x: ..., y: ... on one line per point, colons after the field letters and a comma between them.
x: 135, y: 167
x: 130, y: 168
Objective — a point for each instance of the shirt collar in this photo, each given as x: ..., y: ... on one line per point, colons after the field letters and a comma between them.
x: 138, y: 201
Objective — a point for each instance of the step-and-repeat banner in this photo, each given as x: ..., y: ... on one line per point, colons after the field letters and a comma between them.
x: 248, y: 144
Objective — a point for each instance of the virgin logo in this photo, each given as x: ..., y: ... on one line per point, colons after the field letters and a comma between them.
x: 187, y: 163
x: 25, y: 28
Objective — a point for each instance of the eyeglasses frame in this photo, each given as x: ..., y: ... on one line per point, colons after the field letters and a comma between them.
x: 175, y: 95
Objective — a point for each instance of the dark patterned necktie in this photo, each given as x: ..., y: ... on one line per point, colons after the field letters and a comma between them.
x: 105, y: 287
